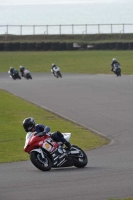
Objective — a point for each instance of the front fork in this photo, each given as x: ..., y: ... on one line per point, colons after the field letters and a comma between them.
x: 39, y: 151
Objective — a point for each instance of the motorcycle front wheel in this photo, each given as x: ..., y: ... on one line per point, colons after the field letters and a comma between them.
x: 81, y: 159
x: 29, y: 76
x: 44, y: 164
x: 59, y: 74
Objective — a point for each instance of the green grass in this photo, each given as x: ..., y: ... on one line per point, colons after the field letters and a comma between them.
x: 12, y: 137
x: 123, y: 199
x: 88, y: 62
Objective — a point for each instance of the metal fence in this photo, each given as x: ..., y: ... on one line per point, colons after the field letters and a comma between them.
x: 66, y: 29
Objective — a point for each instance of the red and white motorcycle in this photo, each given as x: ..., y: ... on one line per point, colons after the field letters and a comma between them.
x: 46, y: 153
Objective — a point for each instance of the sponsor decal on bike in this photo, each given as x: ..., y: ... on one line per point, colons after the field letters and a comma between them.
x: 47, y: 146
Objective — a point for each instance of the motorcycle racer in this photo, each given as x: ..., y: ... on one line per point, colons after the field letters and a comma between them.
x: 11, y: 70
x: 54, y: 66
x: 114, y: 61
x: 40, y: 130
x: 22, y: 70
x: 56, y: 71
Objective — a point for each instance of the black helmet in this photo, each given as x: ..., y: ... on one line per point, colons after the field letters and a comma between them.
x: 28, y: 124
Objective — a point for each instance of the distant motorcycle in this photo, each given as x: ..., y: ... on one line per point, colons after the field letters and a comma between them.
x: 27, y: 74
x: 45, y: 153
x: 117, y: 69
x: 56, y: 72
x: 15, y: 75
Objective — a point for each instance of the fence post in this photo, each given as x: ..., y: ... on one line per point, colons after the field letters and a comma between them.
x: 123, y: 28
x: 33, y: 29
x: 111, y: 28
x: 86, y: 28
x: 47, y: 29
x: 21, y: 30
x: 60, y: 29
x: 98, y: 28
x: 7, y: 29
x: 72, y: 30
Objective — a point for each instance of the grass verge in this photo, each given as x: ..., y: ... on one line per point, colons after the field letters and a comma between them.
x: 123, y: 199
x: 14, y: 110
x: 87, y: 62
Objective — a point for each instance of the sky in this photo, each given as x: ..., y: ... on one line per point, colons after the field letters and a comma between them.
x: 26, y: 2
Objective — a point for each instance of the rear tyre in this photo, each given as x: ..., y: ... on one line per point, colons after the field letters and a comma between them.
x: 44, y: 164
x: 80, y: 160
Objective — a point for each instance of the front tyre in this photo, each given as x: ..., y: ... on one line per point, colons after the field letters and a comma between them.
x: 44, y: 164
x: 81, y: 159
x: 118, y: 72
x: 29, y: 76
x: 59, y: 74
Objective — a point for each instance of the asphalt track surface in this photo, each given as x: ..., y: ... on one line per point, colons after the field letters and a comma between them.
x: 103, y: 103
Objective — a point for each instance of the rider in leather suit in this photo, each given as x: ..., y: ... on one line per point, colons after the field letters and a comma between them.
x: 114, y: 61
x: 22, y: 70
x: 40, y: 130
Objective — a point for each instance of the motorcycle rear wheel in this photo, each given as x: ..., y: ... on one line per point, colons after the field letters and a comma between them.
x: 44, y: 164
x: 82, y: 160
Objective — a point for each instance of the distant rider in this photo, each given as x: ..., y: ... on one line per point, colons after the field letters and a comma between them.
x: 40, y: 130
x: 22, y: 70
x: 114, y: 63
x: 13, y: 71
x: 53, y: 66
